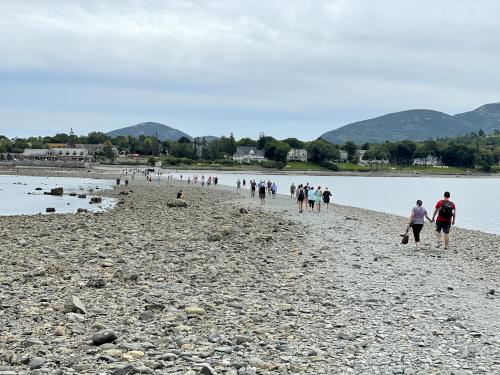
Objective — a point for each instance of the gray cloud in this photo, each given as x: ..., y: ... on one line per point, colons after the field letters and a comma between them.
x: 242, y: 66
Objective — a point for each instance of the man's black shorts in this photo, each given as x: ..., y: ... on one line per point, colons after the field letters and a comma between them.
x: 445, y: 227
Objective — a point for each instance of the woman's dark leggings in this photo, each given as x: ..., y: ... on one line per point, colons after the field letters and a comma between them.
x: 416, y: 231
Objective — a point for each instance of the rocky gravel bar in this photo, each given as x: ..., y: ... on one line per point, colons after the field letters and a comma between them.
x: 222, y: 285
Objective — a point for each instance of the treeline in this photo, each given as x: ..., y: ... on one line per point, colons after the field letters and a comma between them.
x: 475, y: 150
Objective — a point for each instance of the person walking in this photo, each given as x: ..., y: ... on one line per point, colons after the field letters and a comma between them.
x: 318, y: 195
x: 269, y: 186
x: 300, y: 198
x: 446, y: 212
x: 244, y: 184
x: 311, y: 198
x: 292, y: 191
x: 253, y: 187
x: 274, y: 190
x: 238, y: 185
x: 326, y: 197
x: 262, y: 192
x: 416, y: 221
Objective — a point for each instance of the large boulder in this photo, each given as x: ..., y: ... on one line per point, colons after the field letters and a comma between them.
x: 57, y: 191
x: 177, y: 203
x: 50, y: 209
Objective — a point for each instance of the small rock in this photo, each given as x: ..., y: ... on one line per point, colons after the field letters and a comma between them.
x: 207, y: 369
x: 95, y: 200
x: 194, y: 310
x: 59, y: 331
x: 57, y: 191
x: 73, y: 304
x: 127, y: 370
x: 50, y: 209
x: 491, y: 292
x: 260, y: 364
x: 36, y: 362
x: 96, y: 283
x: 104, y: 336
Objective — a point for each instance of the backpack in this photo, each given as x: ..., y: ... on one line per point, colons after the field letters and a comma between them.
x: 301, y: 195
x: 446, y: 209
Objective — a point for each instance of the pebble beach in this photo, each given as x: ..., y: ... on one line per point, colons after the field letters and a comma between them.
x: 223, y: 285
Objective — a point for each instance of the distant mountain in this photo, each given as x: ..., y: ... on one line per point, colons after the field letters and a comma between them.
x: 416, y: 125
x: 150, y: 129
x: 486, y: 117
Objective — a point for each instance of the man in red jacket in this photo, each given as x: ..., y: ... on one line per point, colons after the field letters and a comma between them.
x: 446, y: 211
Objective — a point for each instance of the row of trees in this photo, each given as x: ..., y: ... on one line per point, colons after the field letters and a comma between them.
x: 471, y: 150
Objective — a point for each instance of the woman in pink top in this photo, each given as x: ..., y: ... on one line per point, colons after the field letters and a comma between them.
x: 416, y: 221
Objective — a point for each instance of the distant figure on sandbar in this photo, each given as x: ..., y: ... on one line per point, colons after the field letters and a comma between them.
x: 326, y: 197
x: 300, y: 198
x: 318, y: 195
x: 274, y: 190
x: 262, y: 192
x: 311, y: 198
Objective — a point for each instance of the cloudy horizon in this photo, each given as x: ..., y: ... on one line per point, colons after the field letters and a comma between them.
x: 293, y: 68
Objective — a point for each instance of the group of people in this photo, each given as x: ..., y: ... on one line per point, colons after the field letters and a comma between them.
x: 445, y: 213
x: 313, y: 197
x: 269, y: 189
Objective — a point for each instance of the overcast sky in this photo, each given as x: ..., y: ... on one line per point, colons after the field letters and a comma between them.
x: 285, y: 67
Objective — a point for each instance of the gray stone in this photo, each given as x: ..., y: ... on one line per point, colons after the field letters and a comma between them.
x: 36, y: 362
x: 207, y: 370
x: 73, y: 304
x: 104, y: 336
x: 127, y: 370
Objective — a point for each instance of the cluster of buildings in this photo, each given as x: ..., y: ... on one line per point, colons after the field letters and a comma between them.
x: 63, y: 153
x: 246, y: 154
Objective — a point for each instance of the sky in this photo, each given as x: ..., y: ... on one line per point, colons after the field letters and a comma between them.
x: 288, y: 68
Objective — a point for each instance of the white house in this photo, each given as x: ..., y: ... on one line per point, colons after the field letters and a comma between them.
x: 429, y: 160
x: 297, y: 154
x: 247, y: 154
x: 343, y: 156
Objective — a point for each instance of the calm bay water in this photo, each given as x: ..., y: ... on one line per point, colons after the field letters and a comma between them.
x: 477, y: 199
x: 15, y: 200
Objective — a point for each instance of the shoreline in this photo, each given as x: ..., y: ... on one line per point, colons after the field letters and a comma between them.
x: 111, y: 173
x: 109, y: 167
x: 230, y: 284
